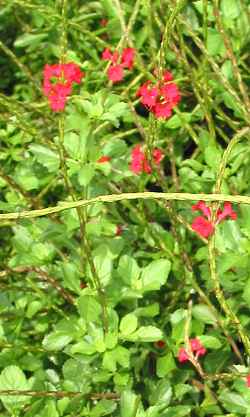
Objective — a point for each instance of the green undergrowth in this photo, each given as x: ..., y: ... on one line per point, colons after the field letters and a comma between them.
x: 98, y: 297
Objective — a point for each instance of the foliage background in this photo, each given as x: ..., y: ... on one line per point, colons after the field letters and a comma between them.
x: 82, y: 305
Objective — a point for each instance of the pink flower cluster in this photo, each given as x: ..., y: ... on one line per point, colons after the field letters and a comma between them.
x: 139, y: 162
x: 203, y: 225
x: 57, y: 83
x: 161, y: 97
x: 196, y: 348
x: 118, y: 63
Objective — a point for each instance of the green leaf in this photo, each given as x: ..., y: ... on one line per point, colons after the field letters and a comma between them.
x: 178, y: 411
x: 128, y: 269
x: 164, y: 365
x: 150, y: 311
x: 246, y: 292
x: 176, y: 121
x: 215, y: 44
x: 203, y: 313
x: 109, y: 361
x: 13, y: 378
x: 56, y: 340
x: 115, y: 111
x: 86, y: 174
x: 72, y: 145
x: 161, y: 393
x: 71, y: 277
x: 210, y: 342
x: 128, y: 324
x: 46, y: 157
x: 233, y: 402
x: 103, y: 265
x: 26, y: 178
x: 50, y: 409
x: 144, y: 334
x: 212, y: 157
x: 129, y: 403
x: 103, y: 408
x: 230, y: 9
x: 29, y: 39
x: 118, y: 355
x: 155, y: 275
x: 89, y: 308
x: 33, y: 308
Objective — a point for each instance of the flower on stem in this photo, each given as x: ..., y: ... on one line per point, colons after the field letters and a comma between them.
x: 127, y: 58
x: 160, y: 344
x: 119, y: 230
x: 196, y: 348
x: 203, y: 225
x: 57, y: 83
x: 115, y: 73
x: 119, y: 62
x: 160, y: 97
x: 108, y: 56
x: 103, y: 22
x: 248, y: 380
x: 139, y: 161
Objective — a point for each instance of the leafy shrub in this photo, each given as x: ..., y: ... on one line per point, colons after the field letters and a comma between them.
x: 125, y: 232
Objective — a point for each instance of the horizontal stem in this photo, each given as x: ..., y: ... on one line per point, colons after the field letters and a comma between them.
x: 60, y: 394
x: 239, y: 199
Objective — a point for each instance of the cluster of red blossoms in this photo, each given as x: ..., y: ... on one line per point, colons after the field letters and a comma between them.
x: 139, y: 162
x: 57, y: 83
x: 196, y: 348
x: 118, y: 63
x: 203, y: 225
x: 160, y: 97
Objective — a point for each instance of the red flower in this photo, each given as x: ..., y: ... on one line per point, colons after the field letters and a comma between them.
x: 167, y: 76
x: 227, y: 212
x: 195, y: 344
x: 115, y: 73
x: 201, y: 206
x: 201, y: 352
x: 248, y: 380
x: 103, y: 22
x: 58, y: 96
x: 161, y: 97
x: 182, y: 355
x: 196, y: 347
x: 72, y: 73
x: 103, y: 159
x: 170, y: 93
x: 162, y: 110
x: 137, y: 159
x: 160, y: 344
x: 148, y: 95
x: 57, y: 83
x: 119, y: 230
x: 108, y: 56
x: 127, y: 58
x: 139, y: 162
x: 204, y: 226
x: 158, y: 155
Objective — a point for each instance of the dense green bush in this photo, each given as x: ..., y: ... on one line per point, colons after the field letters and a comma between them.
x: 129, y: 304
